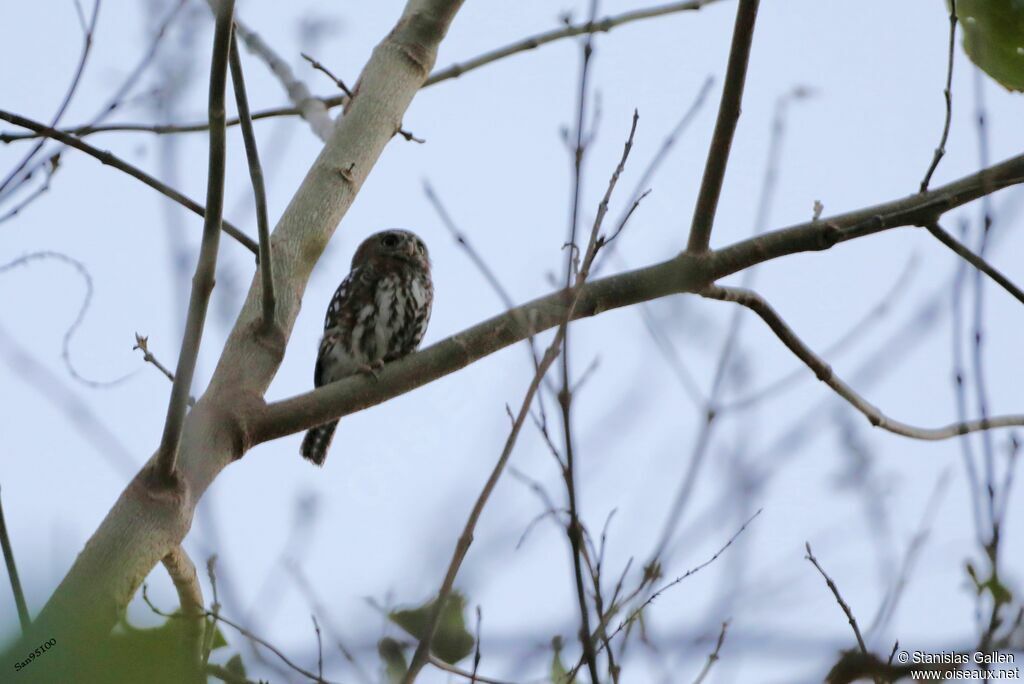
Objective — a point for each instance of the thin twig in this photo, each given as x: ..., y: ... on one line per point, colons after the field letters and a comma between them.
x: 206, y: 265
x: 12, y: 573
x: 823, y: 372
x: 570, y: 30
x: 839, y: 598
x: 313, y: 110
x: 109, y: 159
x: 142, y: 344
x: 88, y: 32
x: 635, y: 613
x: 574, y: 528
x: 713, y: 657
x: 453, y: 71
x: 211, y: 565
x: 940, y: 151
x: 471, y: 676
x: 976, y: 261
x: 259, y: 192
x: 725, y: 128
x: 327, y: 72
x: 319, y: 649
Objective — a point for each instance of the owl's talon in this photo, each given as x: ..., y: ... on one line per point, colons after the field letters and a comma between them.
x: 372, y: 369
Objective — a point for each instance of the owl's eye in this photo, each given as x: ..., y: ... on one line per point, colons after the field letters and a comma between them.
x: 390, y: 241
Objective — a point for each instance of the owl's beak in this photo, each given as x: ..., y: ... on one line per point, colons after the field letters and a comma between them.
x: 410, y: 249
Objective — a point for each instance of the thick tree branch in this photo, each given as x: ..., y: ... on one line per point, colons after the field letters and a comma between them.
x: 144, y: 525
x: 824, y: 372
x: 259, y: 192
x: 684, y: 273
x: 725, y: 127
x: 206, y: 265
x: 108, y: 159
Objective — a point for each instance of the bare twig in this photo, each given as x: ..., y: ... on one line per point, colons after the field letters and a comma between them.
x: 823, y: 372
x: 211, y: 572
x: 327, y: 72
x: 51, y: 166
x: 142, y: 344
x: 190, y: 595
x: 471, y: 676
x: 319, y: 649
x: 226, y: 675
x: 974, y: 260
x: 725, y: 128
x: 65, y: 350
x: 313, y: 110
x: 572, y: 30
x: 202, y: 282
x: 839, y: 598
x: 574, y: 528
x: 713, y: 657
x: 108, y: 159
x: 258, y: 190
x: 635, y: 613
x: 12, y: 574
x: 940, y: 151
x: 88, y: 32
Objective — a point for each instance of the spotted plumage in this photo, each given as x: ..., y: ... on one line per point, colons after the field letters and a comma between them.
x: 378, y: 314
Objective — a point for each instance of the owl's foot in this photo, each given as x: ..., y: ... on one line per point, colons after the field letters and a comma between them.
x: 372, y: 369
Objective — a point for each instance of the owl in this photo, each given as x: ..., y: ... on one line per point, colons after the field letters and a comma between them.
x: 378, y: 314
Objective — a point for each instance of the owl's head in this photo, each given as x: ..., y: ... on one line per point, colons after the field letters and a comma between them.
x: 390, y: 245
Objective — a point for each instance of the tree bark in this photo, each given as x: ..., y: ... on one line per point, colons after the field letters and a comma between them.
x: 149, y: 521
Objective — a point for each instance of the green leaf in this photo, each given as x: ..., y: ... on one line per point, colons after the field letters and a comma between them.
x: 393, y: 656
x: 452, y: 641
x: 559, y: 673
x: 235, y: 665
x: 993, y: 33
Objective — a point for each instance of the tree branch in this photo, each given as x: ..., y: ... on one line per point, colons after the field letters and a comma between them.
x: 145, y: 524
x: 725, y: 127
x: 683, y: 273
x: 259, y: 192
x: 190, y: 595
x: 206, y: 265
x: 109, y: 159
x: 12, y: 573
x: 601, y: 25
x: 310, y: 108
x: 975, y: 260
x: 824, y: 372
x: 940, y: 151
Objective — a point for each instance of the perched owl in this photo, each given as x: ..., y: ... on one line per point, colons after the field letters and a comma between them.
x: 378, y: 314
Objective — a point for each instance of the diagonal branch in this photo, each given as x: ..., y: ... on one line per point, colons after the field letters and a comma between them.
x: 259, y: 192
x: 824, y: 372
x: 725, y: 128
x: 974, y: 260
x: 206, y: 266
x: 683, y: 273
x: 108, y: 159
x: 12, y: 573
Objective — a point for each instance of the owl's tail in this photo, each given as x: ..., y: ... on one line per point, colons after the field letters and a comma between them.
x: 317, y: 441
